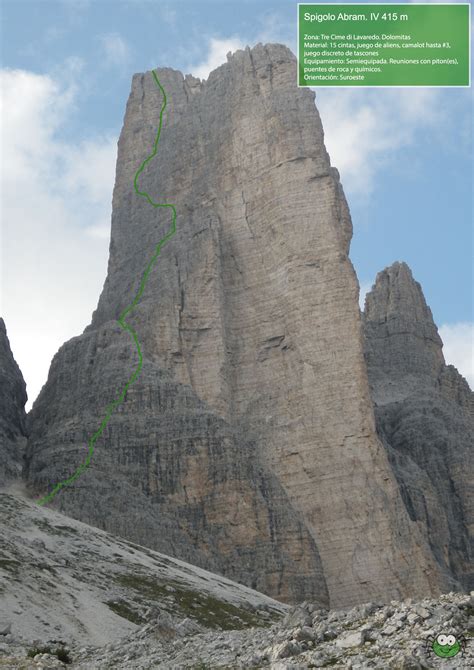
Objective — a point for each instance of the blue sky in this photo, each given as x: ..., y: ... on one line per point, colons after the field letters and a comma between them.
x: 405, y: 158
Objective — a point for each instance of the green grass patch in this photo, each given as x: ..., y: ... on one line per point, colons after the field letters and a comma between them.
x: 61, y: 653
x: 125, y: 611
x: 203, y: 608
x: 9, y: 565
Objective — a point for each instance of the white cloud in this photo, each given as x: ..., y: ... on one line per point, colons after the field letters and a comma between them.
x: 274, y: 27
x: 116, y: 50
x: 364, y: 129
x: 269, y: 27
x: 56, y: 196
x: 89, y: 167
x: 217, y: 54
x: 458, y: 349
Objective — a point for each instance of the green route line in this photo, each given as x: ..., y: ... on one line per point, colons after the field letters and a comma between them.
x: 110, y: 408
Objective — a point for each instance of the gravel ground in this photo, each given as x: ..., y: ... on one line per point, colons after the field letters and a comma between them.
x: 397, y: 636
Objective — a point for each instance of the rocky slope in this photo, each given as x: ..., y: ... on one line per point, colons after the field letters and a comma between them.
x: 425, y: 417
x: 248, y: 444
x: 80, y: 588
x: 397, y: 636
x: 61, y: 579
x: 72, y: 596
x: 12, y: 412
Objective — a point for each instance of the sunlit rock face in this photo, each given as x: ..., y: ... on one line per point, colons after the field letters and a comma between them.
x: 248, y: 443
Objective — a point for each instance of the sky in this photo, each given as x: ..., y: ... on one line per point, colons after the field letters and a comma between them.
x: 404, y: 155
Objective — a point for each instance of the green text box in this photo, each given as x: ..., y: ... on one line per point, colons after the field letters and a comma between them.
x: 384, y: 45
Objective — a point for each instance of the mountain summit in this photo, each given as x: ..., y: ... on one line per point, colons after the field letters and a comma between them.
x: 248, y: 445
x: 425, y: 417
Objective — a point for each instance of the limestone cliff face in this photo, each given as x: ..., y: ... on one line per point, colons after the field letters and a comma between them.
x: 12, y: 412
x: 169, y: 473
x: 425, y: 416
x: 252, y: 423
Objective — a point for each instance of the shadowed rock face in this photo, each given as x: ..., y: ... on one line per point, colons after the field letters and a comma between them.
x: 12, y: 412
x: 248, y: 443
x: 425, y: 416
x: 169, y: 473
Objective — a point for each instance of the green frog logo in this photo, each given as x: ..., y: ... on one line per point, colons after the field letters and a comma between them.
x: 446, y: 646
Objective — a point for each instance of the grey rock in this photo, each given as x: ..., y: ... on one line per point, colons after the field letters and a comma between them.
x: 207, y: 497
x: 305, y: 633
x: 248, y: 442
x: 286, y: 649
x: 390, y: 629
x: 188, y: 627
x: 12, y: 412
x: 405, y: 662
x: 330, y: 633
x: 298, y: 616
x: 351, y: 639
x: 413, y: 618
x: 258, y: 647
x: 176, y: 469
x: 425, y: 417
x: 422, y: 612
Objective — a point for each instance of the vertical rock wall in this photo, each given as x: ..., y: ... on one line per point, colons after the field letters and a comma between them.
x: 251, y: 314
x: 425, y: 417
x: 12, y: 412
